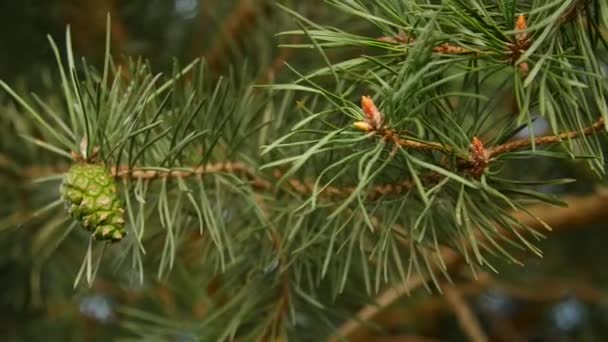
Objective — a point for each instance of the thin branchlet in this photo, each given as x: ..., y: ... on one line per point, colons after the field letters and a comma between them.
x: 479, y: 157
x: 443, y: 48
x: 524, y: 143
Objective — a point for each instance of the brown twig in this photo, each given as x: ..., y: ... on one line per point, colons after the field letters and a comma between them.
x: 555, y: 289
x: 393, y: 136
x: 303, y: 187
x: 466, y: 318
x: 514, y: 48
x: 356, y: 330
x: 524, y: 143
x: 479, y: 156
x: 444, y: 48
x: 538, y: 293
x: 307, y: 187
x: 150, y: 174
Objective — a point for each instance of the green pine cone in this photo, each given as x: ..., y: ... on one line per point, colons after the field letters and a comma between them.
x: 91, y: 197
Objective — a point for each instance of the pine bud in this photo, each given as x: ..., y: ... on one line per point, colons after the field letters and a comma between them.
x: 373, y: 116
x: 521, y: 25
x: 362, y: 126
x: 480, y: 157
x: 91, y: 198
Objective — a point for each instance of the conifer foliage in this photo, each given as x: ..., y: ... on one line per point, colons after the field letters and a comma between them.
x: 277, y: 207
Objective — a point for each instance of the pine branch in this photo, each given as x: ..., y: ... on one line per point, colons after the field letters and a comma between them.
x: 544, y: 291
x: 356, y: 330
x: 478, y: 155
x: 236, y: 168
x: 409, y: 144
x: 513, y: 49
x: 443, y: 48
x: 581, y: 212
x: 525, y: 143
x: 303, y: 187
x: 466, y: 318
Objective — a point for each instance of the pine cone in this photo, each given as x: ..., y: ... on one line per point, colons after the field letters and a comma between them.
x: 91, y: 197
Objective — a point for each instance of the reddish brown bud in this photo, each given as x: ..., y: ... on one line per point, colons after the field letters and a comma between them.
x: 372, y: 114
x: 479, y: 157
x: 521, y: 25
x: 369, y: 108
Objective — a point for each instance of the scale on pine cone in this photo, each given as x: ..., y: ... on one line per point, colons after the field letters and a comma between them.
x: 91, y: 197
